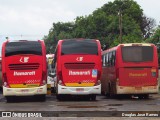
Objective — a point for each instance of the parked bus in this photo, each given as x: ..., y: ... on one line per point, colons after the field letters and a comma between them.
x: 78, y: 67
x: 24, y: 69
x: 130, y: 69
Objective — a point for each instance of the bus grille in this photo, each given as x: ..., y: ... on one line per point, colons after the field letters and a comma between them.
x: 79, y: 65
x: 29, y: 66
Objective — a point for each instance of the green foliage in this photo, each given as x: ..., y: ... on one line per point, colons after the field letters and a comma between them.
x: 155, y: 39
x: 103, y: 24
x: 57, y: 32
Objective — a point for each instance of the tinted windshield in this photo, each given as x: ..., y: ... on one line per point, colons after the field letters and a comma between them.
x: 137, y: 53
x: 79, y: 47
x: 28, y: 47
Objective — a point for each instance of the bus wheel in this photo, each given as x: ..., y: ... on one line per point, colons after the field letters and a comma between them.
x: 59, y: 97
x: 93, y: 97
x: 145, y: 96
x: 9, y: 99
x: 109, y: 94
x: 42, y: 98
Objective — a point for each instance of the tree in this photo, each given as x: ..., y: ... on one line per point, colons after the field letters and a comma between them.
x: 103, y: 24
x: 58, y: 31
x: 155, y: 38
x: 147, y: 25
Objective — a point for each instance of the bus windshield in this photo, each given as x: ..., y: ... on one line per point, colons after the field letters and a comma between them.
x: 79, y: 47
x: 28, y: 47
x: 137, y: 53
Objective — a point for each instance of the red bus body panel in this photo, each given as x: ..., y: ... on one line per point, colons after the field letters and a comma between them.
x: 32, y: 69
x: 75, y: 72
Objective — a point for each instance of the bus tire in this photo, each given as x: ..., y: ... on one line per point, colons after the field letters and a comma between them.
x: 144, y: 96
x: 110, y: 91
x: 42, y: 98
x: 59, y: 97
x: 93, y: 97
x: 9, y: 99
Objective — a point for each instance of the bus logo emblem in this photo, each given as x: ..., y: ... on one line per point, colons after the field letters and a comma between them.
x: 24, y: 59
x: 79, y: 59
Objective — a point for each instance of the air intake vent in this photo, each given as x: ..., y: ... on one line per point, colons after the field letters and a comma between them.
x: 79, y: 65
x: 29, y: 66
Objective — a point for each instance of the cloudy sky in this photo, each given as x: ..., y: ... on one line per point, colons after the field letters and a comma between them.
x: 32, y: 19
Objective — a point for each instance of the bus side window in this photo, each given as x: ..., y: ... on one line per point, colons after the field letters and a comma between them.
x: 47, y: 63
x: 113, y: 58
x: 104, y: 60
x: 110, y: 58
x: 107, y: 60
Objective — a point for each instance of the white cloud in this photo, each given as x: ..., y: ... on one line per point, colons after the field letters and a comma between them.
x: 36, y: 17
x: 33, y: 18
x: 150, y: 8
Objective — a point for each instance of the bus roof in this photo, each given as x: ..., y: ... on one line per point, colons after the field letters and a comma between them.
x: 128, y: 44
x: 78, y: 39
x: 21, y: 40
x: 131, y: 44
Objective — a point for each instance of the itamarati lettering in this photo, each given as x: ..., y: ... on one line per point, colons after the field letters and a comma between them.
x: 138, y: 74
x: 24, y: 73
x: 79, y: 72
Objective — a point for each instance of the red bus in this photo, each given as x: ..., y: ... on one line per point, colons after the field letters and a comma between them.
x: 24, y: 70
x: 130, y: 69
x: 78, y: 67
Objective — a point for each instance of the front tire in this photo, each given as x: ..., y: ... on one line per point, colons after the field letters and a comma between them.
x: 9, y: 99
x: 144, y: 96
x: 93, y: 97
x: 42, y: 98
x: 60, y: 97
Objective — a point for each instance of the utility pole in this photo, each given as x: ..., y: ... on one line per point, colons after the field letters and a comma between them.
x: 120, y: 25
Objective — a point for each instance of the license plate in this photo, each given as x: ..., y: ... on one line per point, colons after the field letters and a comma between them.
x: 138, y: 88
x: 79, y: 89
x: 24, y: 91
